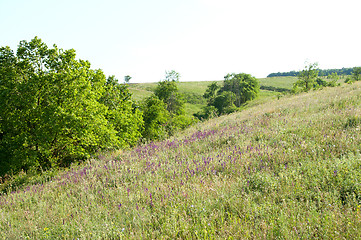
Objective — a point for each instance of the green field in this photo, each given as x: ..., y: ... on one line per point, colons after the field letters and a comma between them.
x: 285, y: 168
x: 270, y: 88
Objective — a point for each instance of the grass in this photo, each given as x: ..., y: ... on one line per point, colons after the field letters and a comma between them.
x: 287, y: 168
x: 278, y: 82
x: 193, y: 91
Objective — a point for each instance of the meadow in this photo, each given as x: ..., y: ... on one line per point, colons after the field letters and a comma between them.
x: 193, y: 91
x: 288, y: 168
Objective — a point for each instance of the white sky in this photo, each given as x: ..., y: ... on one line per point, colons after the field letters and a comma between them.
x: 200, y: 39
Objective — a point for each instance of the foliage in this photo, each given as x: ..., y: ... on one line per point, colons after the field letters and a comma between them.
x: 307, y: 78
x: 193, y: 98
x: 179, y: 122
x: 334, y: 79
x: 207, y: 112
x: 127, y: 78
x: 319, y: 83
x: 244, y: 86
x: 155, y: 117
x: 224, y: 102
x: 322, y: 72
x: 122, y: 113
x: 211, y: 92
x: 51, y: 113
x: 356, y: 74
x: 167, y: 91
x: 237, y: 89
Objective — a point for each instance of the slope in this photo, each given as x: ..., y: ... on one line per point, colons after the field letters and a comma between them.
x: 288, y: 168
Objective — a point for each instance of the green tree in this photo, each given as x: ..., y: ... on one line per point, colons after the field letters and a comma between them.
x: 167, y: 91
x: 52, y: 112
x: 211, y: 92
x: 122, y: 112
x: 155, y: 117
x: 127, y: 78
x: 307, y: 78
x: 224, y: 102
x: 356, y: 74
x: 244, y: 86
x: 334, y: 79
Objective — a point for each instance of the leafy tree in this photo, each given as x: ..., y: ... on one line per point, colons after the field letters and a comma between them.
x: 334, y: 79
x: 349, y: 80
x: 319, y: 83
x: 211, y: 92
x: 54, y: 108
x: 122, y: 113
x: 356, y: 74
x: 167, y: 91
x: 244, y: 86
x: 127, y: 78
x: 224, y: 102
x: 237, y: 89
x: 307, y: 78
x: 155, y: 117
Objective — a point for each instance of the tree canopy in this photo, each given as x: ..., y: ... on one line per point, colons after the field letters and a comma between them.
x: 244, y: 86
x: 236, y: 90
x: 55, y: 109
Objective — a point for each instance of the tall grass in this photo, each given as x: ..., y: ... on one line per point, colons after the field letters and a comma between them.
x: 288, y: 168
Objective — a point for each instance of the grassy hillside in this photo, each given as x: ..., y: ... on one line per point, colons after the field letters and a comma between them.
x: 278, y: 83
x: 270, y: 88
x: 192, y: 92
x: 288, y: 168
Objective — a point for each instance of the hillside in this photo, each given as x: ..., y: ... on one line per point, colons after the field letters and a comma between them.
x: 142, y: 90
x: 193, y: 91
x: 287, y: 168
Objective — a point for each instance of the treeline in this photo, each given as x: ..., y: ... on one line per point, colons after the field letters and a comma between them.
x: 321, y: 72
x: 56, y: 110
x: 309, y: 79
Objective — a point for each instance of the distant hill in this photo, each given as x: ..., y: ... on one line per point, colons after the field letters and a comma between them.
x: 322, y: 72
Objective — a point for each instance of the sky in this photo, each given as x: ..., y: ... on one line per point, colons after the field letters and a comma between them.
x: 203, y: 40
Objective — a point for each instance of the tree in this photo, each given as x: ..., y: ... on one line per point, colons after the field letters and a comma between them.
x: 211, y: 92
x: 334, y: 79
x: 244, y: 86
x: 155, y: 117
x: 55, y: 109
x: 224, y: 102
x: 127, y: 78
x: 237, y: 89
x: 307, y: 77
x: 122, y: 113
x: 167, y: 91
x: 356, y: 74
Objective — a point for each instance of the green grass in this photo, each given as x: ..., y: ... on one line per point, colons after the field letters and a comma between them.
x: 278, y: 82
x: 193, y: 92
x: 139, y: 94
x: 287, y: 169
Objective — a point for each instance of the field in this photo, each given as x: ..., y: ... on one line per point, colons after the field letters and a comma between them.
x: 285, y: 168
x: 193, y: 91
